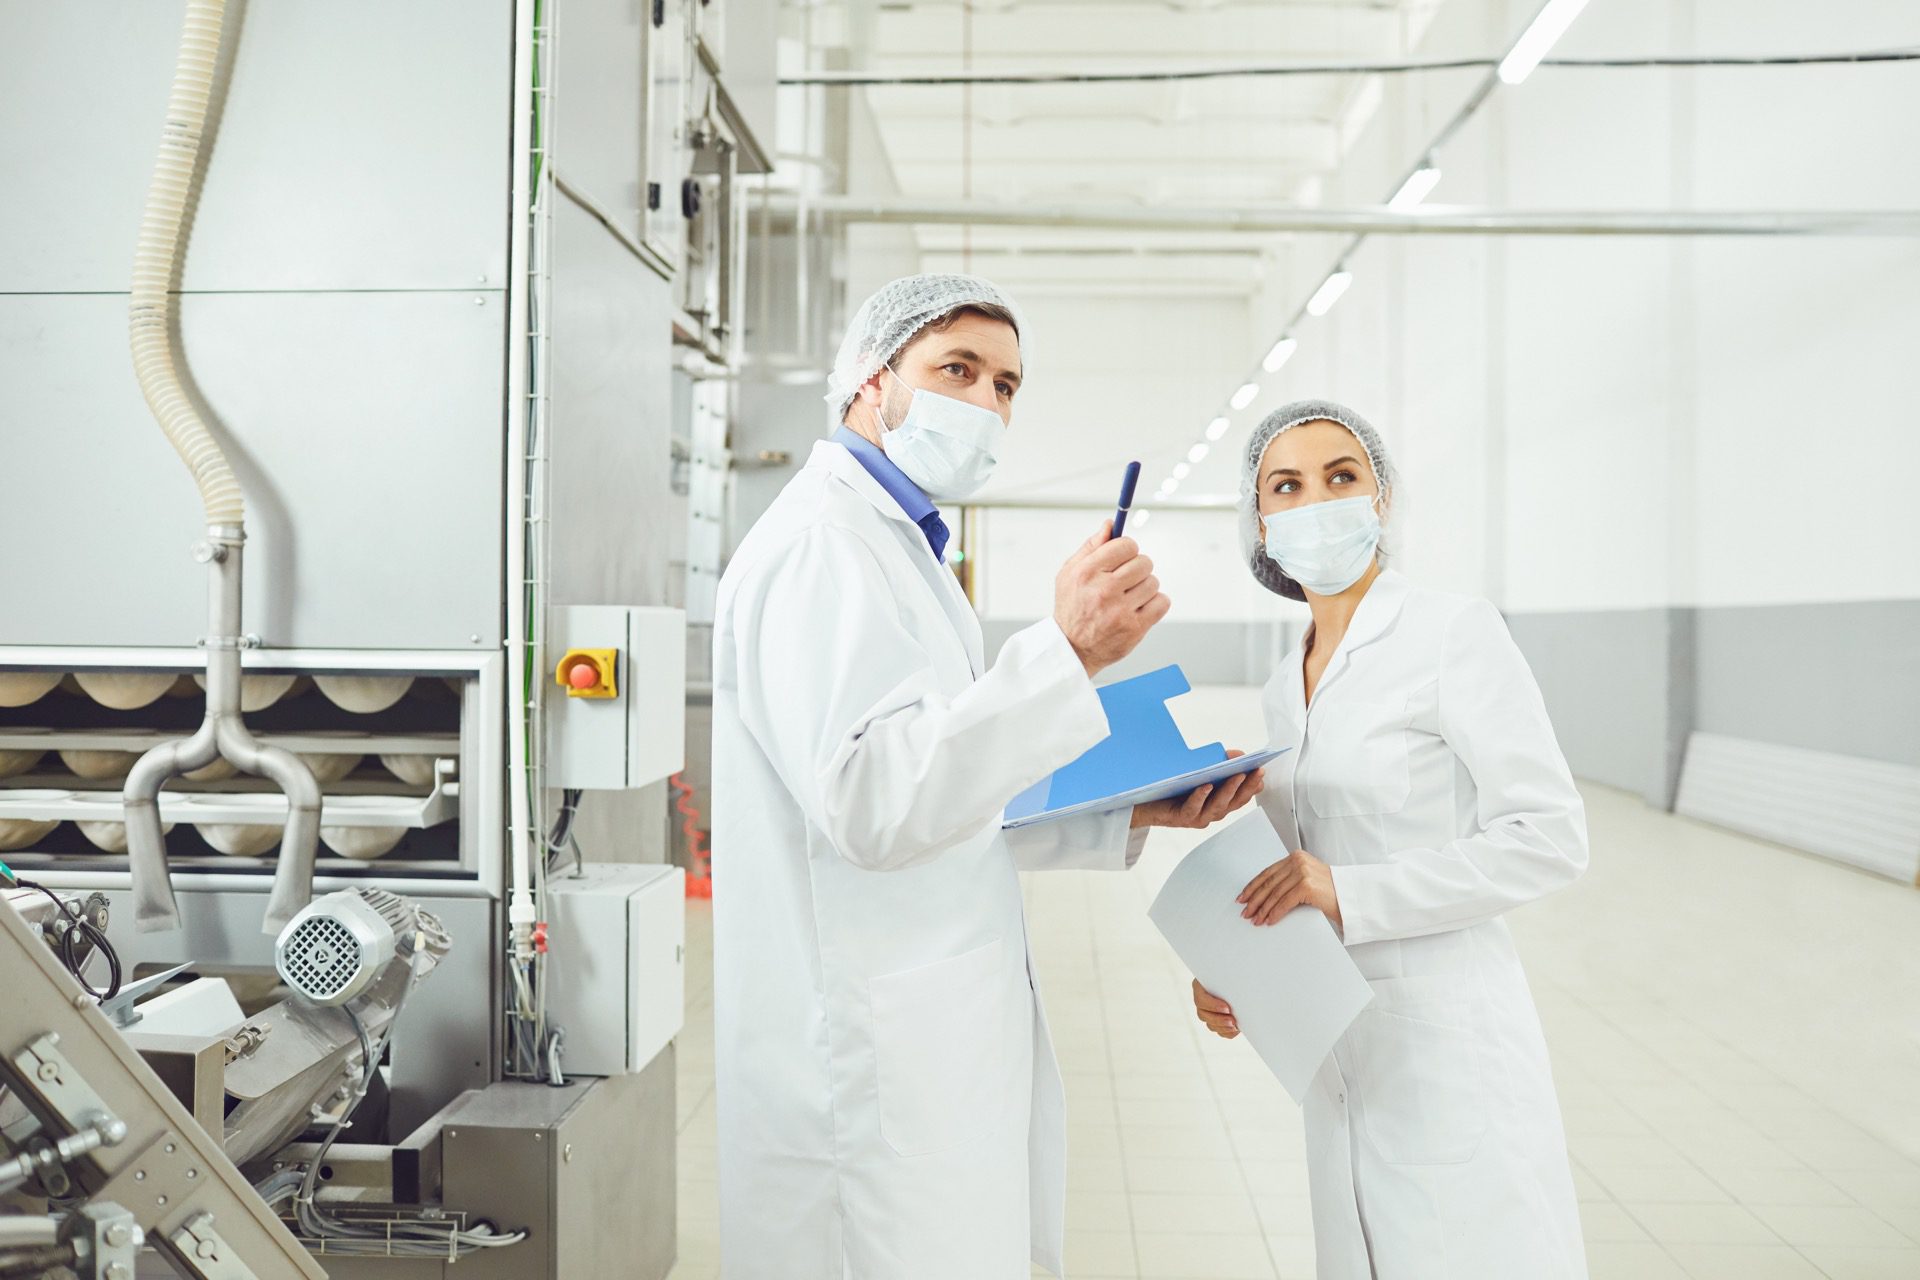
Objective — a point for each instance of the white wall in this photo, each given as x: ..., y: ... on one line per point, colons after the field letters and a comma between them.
x: 1195, y: 554
x: 1596, y: 423
x: 1582, y: 423
x: 1108, y: 380
x: 1112, y: 378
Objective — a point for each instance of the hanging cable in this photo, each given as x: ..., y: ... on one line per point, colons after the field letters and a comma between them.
x: 67, y: 944
x: 420, y: 1237
x: 560, y: 840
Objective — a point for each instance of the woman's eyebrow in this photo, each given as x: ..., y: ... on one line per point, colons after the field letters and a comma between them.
x: 1283, y: 471
x: 1343, y: 462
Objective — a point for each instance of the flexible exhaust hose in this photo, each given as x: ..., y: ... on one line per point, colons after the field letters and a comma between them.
x: 222, y: 734
x: 156, y: 260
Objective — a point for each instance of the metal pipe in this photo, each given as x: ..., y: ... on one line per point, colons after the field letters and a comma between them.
x: 1091, y: 504
x: 101, y: 1131
x: 1378, y: 220
x: 24, y: 1231
x: 222, y: 735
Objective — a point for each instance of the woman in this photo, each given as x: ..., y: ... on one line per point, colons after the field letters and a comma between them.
x: 1425, y: 797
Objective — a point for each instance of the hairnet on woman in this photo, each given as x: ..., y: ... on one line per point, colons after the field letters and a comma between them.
x: 1423, y: 797
x: 1266, y: 570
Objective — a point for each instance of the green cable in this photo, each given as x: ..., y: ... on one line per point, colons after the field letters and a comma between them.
x: 538, y: 154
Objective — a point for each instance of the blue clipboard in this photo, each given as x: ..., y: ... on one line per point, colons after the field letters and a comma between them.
x: 1143, y: 758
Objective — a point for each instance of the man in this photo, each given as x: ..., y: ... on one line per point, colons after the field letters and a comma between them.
x: 889, y: 1103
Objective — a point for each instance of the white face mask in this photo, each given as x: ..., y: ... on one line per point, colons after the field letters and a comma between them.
x: 946, y: 446
x: 1325, y: 546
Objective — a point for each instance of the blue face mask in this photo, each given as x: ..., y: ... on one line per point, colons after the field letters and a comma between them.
x: 1325, y: 546
x: 946, y: 446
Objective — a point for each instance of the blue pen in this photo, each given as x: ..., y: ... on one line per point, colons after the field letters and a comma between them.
x: 1127, y: 483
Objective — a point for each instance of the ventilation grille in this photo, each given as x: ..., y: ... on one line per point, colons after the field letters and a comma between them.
x: 321, y: 957
x: 1863, y: 812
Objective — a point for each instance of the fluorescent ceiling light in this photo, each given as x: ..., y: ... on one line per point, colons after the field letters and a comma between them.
x: 1281, y: 353
x: 1198, y: 453
x: 1329, y: 293
x: 1244, y: 396
x: 1541, y: 35
x: 1140, y: 521
x: 1182, y: 471
x: 1217, y: 428
x: 1418, y: 186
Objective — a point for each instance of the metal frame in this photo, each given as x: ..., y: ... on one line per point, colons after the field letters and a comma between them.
x: 479, y: 805
x: 167, y: 1171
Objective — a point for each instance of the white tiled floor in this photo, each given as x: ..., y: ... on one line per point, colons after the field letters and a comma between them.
x: 1735, y: 1031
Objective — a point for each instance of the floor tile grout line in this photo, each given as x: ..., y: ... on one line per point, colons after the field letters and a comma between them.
x: 1239, y: 1162
x: 1113, y: 1079
x: 1803, y: 1167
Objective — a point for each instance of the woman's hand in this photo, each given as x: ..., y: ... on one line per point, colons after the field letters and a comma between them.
x: 1214, y: 1012
x: 1202, y: 806
x: 1299, y: 879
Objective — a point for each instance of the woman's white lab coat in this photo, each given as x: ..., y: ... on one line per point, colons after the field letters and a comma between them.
x: 1426, y: 775
x: 889, y: 1103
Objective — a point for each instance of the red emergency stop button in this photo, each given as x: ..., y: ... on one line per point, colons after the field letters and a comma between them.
x: 588, y: 673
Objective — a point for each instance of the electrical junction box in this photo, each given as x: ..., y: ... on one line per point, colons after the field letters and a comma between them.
x: 637, y: 736
x: 616, y: 976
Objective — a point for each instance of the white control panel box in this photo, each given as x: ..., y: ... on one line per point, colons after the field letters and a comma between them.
x: 635, y: 736
x: 616, y: 971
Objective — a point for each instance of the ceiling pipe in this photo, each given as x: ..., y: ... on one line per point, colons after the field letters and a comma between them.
x: 1432, y: 220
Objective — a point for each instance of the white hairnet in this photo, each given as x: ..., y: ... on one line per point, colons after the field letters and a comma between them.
x: 889, y: 319
x: 1266, y: 570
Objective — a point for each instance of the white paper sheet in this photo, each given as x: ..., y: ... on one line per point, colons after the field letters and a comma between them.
x: 1293, y: 988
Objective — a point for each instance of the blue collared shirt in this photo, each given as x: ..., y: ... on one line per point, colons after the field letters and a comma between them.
x: 912, y: 499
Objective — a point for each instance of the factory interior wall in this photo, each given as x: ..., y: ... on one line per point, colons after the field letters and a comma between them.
x: 1681, y: 467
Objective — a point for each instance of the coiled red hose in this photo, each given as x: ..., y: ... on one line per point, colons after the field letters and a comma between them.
x: 700, y: 859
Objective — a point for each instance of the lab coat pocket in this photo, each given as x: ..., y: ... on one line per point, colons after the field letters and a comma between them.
x: 1419, y: 1081
x: 1356, y: 760
x: 940, y: 1035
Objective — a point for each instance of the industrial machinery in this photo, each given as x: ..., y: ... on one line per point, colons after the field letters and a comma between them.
x: 428, y: 318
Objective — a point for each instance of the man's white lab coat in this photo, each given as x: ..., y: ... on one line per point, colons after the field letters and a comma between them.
x: 889, y: 1103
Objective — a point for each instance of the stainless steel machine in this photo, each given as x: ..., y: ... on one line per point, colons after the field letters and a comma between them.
x: 411, y: 290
